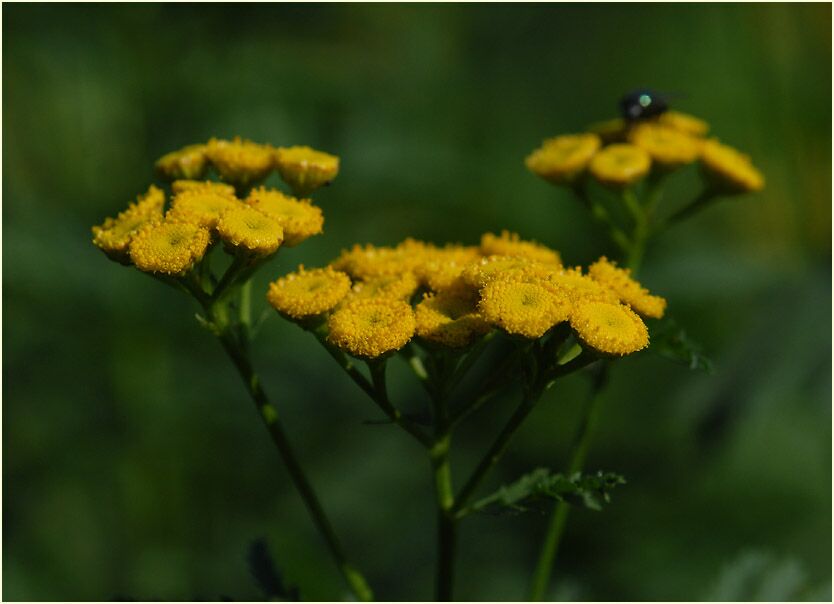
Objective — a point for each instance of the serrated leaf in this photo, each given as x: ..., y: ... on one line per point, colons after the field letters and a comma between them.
x: 670, y: 340
x: 589, y: 490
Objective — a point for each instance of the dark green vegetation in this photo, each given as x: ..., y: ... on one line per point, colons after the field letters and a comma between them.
x: 133, y: 464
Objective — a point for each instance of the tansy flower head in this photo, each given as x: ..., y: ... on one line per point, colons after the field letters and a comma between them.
x: 627, y: 289
x: 577, y: 287
x: 510, y: 244
x: 371, y: 327
x: 187, y: 163
x: 620, y: 165
x: 300, y: 218
x: 525, y: 309
x: 113, y: 237
x: 248, y: 229
x: 202, y: 206
x: 450, y: 320
x: 609, y: 329
x: 479, y: 273
x: 305, y: 294
x: 668, y: 148
x: 561, y: 159
x: 305, y: 169
x: 441, y: 268
x: 369, y: 261
x: 208, y: 186
x: 169, y: 247
x: 683, y: 122
x: 730, y: 170
x: 398, y: 287
x: 240, y: 162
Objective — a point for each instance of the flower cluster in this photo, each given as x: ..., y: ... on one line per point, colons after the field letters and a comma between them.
x: 244, y: 163
x: 374, y: 300
x: 619, y: 153
x: 200, y: 214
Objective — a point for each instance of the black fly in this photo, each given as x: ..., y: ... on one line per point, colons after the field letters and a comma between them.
x: 642, y: 104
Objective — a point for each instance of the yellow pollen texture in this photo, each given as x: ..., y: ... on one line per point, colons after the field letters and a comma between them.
x: 169, y: 247
x: 683, y: 122
x: 620, y: 165
x: 525, y: 309
x: 304, y: 168
x: 114, y: 236
x: 208, y: 186
x: 369, y: 328
x: 240, y: 161
x: 449, y: 320
x: 202, y: 206
x: 627, y: 289
x: 667, y: 147
x: 299, y: 218
x: 397, y: 287
x: 247, y: 228
x: 561, y: 159
x: 609, y: 329
x: 730, y: 169
x: 510, y: 244
x: 310, y: 293
x: 187, y: 163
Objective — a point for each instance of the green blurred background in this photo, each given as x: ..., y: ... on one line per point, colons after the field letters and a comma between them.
x: 133, y: 463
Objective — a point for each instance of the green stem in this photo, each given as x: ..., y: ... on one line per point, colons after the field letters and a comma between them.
x: 602, y: 216
x: 498, y: 378
x: 446, y: 521
x: 497, y: 449
x: 354, y: 579
x: 559, y: 516
x: 377, y: 369
x: 641, y: 233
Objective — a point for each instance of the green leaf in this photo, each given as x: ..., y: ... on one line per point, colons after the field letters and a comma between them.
x: 588, y: 490
x: 669, y: 340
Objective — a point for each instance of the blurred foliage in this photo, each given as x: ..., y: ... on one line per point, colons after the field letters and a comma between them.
x: 134, y: 466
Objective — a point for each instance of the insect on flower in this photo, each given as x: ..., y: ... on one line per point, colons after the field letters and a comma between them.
x: 642, y: 103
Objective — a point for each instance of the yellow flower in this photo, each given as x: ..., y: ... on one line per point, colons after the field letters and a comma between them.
x: 577, y: 287
x: 113, y: 237
x: 186, y: 163
x: 306, y: 294
x: 247, y: 228
x: 611, y: 131
x: 627, y: 289
x: 441, y: 268
x: 683, y: 122
x: 561, y: 159
x: 169, y: 247
x: 300, y: 218
x: 202, y: 206
x: 485, y: 270
x: 525, y: 309
x: 510, y: 244
x: 208, y: 186
x: 667, y: 147
x: 609, y: 329
x: 240, y: 162
x: 620, y: 165
x: 371, y: 327
x: 305, y: 169
x: 367, y: 262
x: 449, y: 320
x: 729, y: 169
x: 398, y: 287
